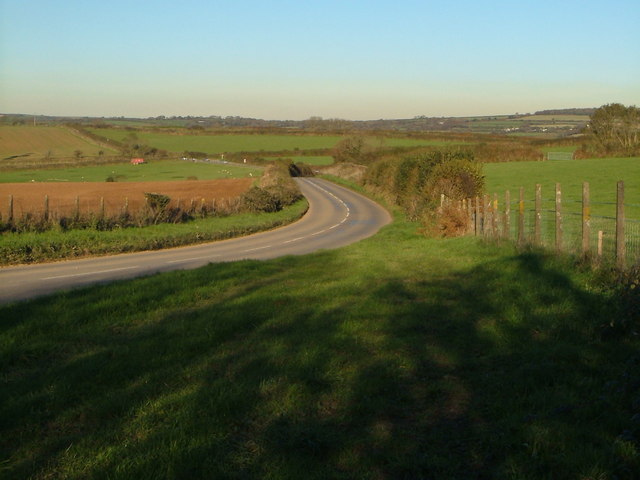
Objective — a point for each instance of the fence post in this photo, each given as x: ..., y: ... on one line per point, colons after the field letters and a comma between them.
x: 506, y: 227
x: 620, y: 246
x: 485, y: 213
x: 101, y: 207
x: 586, y: 218
x: 10, y: 208
x: 470, y: 212
x: 477, y: 216
x: 600, y: 242
x: 494, y: 222
x: 76, y: 215
x: 46, y: 208
x: 537, y: 232
x: 126, y: 206
x: 558, y: 218
x: 521, y: 218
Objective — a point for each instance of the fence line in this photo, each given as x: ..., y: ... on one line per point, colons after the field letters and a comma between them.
x: 550, y: 224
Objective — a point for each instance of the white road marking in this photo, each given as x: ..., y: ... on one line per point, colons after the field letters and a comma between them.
x: 90, y: 273
x: 258, y: 248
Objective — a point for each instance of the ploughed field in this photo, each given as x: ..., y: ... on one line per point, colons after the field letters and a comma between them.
x: 30, y: 197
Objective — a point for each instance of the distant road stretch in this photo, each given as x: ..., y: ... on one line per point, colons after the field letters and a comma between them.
x: 336, y: 217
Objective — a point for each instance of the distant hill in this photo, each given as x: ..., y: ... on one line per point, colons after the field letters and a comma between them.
x: 518, y: 124
x: 568, y: 111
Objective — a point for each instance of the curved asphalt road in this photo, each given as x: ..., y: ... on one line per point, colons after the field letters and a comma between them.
x: 336, y: 217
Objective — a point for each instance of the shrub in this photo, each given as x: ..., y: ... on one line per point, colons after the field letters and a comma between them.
x: 457, y: 179
x: 448, y: 221
x: 257, y: 199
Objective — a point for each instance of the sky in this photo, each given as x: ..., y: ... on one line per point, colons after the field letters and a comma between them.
x: 347, y: 59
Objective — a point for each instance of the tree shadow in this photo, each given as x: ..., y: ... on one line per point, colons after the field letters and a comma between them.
x: 279, y: 369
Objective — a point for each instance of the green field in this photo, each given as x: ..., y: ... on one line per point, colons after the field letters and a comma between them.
x: 36, y: 142
x: 397, y: 357
x: 217, y: 144
x: 233, y: 143
x: 601, y: 173
x: 161, y: 170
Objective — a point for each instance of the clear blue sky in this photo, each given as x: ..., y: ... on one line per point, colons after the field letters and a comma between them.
x: 332, y: 58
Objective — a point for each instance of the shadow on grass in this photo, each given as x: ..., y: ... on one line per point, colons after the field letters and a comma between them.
x: 310, y: 368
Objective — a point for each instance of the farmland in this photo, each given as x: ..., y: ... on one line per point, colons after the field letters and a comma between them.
x: 30, y: 142
x: 601, y: 173
x: 29, y: 198
x: 158, y: 170
x: 233, y: 143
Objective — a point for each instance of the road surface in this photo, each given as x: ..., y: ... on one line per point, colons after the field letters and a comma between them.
x: 336, y: 217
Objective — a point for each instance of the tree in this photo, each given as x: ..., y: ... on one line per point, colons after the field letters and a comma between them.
x: 616, y: 128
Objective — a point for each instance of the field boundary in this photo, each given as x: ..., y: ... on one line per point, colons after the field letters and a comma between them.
x: 539, y: 222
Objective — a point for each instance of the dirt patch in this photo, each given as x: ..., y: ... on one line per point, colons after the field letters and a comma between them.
x: 30, y: 197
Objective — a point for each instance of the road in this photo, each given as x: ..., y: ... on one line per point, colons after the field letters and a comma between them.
x: 336, y: 217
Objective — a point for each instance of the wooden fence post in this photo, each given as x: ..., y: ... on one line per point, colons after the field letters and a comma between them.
x: 521, y: 218
x: 471, y: 219
x: 506, y: 224
x: 558, y: 218
x: 126, y: 206
x: 586, y: 218
x: 485, y: 213
x: 10, y: 208
x: 46, y: 208
x: 76, y: 215
x: 537, y: 230
x: 102, y: 207
x: 477, y: 216
x: 494, y: 219
x: 600, y: 242
x: 620, y: 246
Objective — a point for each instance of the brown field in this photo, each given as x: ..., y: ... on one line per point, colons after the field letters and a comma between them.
x: 29, y: 197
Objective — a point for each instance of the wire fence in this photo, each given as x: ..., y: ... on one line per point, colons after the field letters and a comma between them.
x: 564, y: 225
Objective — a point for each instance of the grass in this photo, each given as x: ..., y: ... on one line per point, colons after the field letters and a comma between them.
x: 16, y: 248
x: 161, y: 170
x: 36, y: 142
x: 232, y: 143
x: 397, y: 357
x: 601, y: 173
x: 216, y: 144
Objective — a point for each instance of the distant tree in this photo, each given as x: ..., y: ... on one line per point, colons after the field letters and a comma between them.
x: 353, y: 149
x: 77, y: 154
x: 616, y: 128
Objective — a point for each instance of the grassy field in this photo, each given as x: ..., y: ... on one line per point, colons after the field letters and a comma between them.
x: 161, y: 170
x: 216, y: 144
x: 397, y: 357
x: 601, y: 173
x: 35, y: 142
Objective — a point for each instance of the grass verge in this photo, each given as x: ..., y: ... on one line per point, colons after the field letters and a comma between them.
x: 397, y: 357
x: 56, y: 245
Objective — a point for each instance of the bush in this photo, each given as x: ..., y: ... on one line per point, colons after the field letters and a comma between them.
x: 457, y: 179
x: 275, y: 191
x: 257, y: 199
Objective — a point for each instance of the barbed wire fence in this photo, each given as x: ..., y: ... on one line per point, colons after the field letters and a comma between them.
x: 565, y: 225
